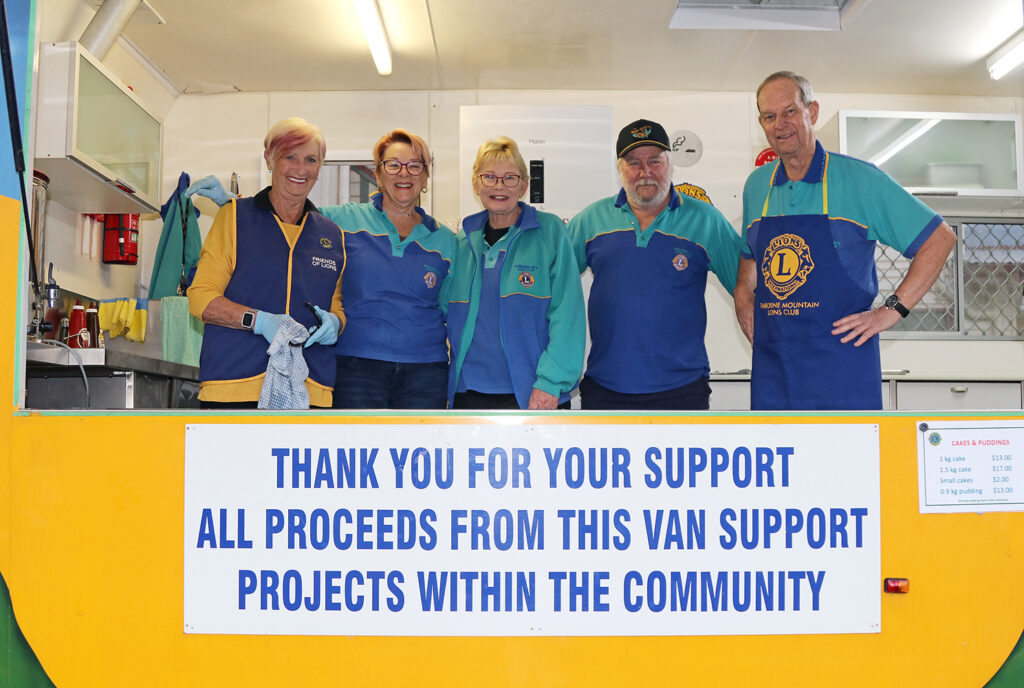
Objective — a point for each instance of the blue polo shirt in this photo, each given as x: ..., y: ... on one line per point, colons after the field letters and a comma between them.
x: 864, y: 205
x: 395, y: 289
x: 647, y: 311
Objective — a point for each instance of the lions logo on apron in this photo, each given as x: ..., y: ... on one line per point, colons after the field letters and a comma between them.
x: 786, y: 265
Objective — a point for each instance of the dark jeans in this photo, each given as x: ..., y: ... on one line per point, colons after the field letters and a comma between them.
x: 694, y: 396
x: 366, y: 383
x: 473, y: 400
x: 226, y: 405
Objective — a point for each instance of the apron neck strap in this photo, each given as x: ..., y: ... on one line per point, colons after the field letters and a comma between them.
x: 824, y: 187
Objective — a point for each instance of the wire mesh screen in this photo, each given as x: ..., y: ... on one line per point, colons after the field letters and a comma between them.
x: 993, y: 279
x: 937, y: 311
x: 991, y: 285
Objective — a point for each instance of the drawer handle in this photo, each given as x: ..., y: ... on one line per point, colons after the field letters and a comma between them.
x: 959, y: 390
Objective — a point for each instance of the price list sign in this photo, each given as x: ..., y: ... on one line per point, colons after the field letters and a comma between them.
x: 971, y: 466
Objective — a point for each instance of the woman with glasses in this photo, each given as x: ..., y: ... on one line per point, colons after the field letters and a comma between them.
x: 393, y: 352
x: 515, y: 308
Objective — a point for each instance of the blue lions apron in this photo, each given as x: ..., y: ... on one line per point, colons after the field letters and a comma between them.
x: 802, y: 289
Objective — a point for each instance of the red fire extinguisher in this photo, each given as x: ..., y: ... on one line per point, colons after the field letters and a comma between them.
x: 121, y: 239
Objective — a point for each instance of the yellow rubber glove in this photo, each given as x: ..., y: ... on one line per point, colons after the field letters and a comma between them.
x: 106, y: 314
x: 117, y: 318
x: 129, y: 314
x: 137, y: 331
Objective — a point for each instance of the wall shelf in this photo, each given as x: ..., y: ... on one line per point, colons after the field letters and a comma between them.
x: 100, y: 146
x: 940, y: 154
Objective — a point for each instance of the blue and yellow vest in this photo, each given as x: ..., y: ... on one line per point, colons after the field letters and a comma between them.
x: 272, y: 276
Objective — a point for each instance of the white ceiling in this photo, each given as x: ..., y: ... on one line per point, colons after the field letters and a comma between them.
x: 892, y: 46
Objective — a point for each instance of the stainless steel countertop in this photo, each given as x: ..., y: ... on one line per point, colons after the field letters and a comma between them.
x: 52, y: 354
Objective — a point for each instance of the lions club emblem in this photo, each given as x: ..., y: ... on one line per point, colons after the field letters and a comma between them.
x: 326, y: 243
x: 526, y: 279
x: 680, y: 262
x: 430, y: 279
x: 786, y: 265
x: 693, y: 191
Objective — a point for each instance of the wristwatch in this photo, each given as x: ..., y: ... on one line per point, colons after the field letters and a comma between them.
x: 249, y: 319
x: 893, y: 304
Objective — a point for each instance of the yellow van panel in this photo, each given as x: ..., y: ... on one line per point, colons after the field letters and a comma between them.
x: 95, y: 569
x: 91, y: 540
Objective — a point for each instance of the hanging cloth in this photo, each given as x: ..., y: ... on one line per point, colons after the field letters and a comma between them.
x: 178, y: 251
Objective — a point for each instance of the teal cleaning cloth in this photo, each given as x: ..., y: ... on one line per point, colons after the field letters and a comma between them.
x: 167, y: 266
x: 181, y: 333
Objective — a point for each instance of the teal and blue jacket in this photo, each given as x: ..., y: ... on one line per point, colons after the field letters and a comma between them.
x: 541, y: 317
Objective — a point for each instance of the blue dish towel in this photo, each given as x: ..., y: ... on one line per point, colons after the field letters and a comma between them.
x: 284, y: 386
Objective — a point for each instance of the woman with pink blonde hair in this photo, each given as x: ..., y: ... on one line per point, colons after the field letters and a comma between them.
x: 268, y: 262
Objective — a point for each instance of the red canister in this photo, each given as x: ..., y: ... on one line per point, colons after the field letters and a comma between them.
x: 78, y: 330
x: 52, y: 316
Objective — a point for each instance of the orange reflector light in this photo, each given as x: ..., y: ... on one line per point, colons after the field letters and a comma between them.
x: 900, y: 585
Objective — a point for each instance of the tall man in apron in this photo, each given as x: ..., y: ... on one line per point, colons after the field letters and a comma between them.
x: 807, y: 274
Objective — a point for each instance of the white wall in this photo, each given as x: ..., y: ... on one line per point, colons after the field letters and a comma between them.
x: 221, y: 134
x: 224, y: 133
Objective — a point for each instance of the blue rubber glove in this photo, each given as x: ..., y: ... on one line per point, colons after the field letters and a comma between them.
x: 211, y: 188
x: 266, y: 324
x: 327, y: 332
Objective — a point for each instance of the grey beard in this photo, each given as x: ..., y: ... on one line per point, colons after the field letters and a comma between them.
x: 636, y: 201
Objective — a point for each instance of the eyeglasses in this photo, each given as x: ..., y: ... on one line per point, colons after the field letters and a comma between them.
x: 509, y: 180
x: 413, y: 167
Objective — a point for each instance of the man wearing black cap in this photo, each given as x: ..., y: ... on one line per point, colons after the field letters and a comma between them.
x: 650, y: 249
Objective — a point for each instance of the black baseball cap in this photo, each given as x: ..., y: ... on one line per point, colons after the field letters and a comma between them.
x: 642, y: 132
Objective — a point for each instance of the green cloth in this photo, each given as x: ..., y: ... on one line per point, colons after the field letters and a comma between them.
x: 167, y: 264
x: 19, y: 665
x: 181, y: 332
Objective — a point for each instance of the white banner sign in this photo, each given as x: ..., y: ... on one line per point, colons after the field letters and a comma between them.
x: 498, y: 530
x: 970, y: 466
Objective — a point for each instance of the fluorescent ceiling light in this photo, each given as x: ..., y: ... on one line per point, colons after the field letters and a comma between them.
x: 1007, y: 58
x: 913, y: 134
x: 765, y: 15
x: 373, y: 29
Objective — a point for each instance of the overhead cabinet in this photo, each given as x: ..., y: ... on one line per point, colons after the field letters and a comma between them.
x: 942, y: 153
x: 96, y: 141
